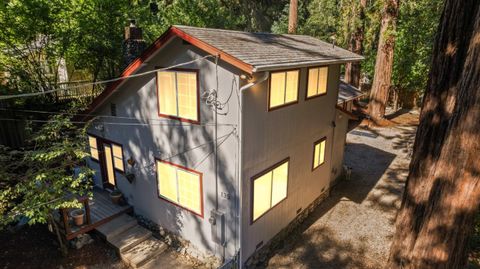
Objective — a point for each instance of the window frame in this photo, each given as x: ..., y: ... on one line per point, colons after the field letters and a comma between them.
x: 185, y: 70
x: 313, y: 154
x: 90, y: 148
x: 102, y: 140
x: 270, y: 88
x: 200, y: 178
x: 252, y: 188
x: 308, y: 75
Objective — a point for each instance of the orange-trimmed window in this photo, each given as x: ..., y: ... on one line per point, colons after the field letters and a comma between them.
x: 177, y: 94
x: 283, y: 88
x: 317, y: 81
x: 269, y: 189
x: 319, y: 152
x: 92, y: 143
x: 180, y: 185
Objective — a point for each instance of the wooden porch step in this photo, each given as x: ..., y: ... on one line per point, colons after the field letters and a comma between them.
x: 130, y: 238
x: 143, y: 252
x: 116, y: 226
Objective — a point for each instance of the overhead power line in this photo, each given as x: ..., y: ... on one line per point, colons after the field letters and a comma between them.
x: 146, y: 121
x: 5, y: 97
x: 124, y: 123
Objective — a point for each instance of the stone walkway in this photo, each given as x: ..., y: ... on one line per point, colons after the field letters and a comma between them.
x: 354, y: 226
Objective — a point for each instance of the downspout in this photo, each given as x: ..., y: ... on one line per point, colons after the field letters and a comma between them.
x: 240, y: 157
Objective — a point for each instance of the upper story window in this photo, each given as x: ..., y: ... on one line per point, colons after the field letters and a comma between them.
x: 269, y: 189
x: 283, y: 88
x: 178, y: 94
x: 317, y: 81
x: 180, y: 185
x: 319, y: 152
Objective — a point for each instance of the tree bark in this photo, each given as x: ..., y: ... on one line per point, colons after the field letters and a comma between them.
x: 352, y: 70
x: 442, y: 193
x: 292, y: 17
x: 384, y: 62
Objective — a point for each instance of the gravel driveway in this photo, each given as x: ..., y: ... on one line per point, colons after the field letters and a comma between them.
x: 354, y: 226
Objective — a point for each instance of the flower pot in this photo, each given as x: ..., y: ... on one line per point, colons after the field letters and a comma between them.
x: 115, y: 196
x: 77, y: 216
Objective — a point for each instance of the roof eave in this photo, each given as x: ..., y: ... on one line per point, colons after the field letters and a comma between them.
x: 281, y: 66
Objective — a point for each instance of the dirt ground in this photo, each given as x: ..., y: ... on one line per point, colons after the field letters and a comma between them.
x: 36, y: 247
x: 353, y: 227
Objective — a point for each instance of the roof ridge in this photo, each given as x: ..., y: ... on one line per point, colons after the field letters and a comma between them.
x: 245, y: 32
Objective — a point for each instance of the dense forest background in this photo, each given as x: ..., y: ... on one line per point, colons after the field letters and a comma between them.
x: 88, y: 34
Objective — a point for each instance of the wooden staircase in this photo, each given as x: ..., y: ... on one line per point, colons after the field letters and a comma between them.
x: 135, y: 244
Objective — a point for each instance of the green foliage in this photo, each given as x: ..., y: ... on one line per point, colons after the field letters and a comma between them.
x: 413, y: 48
x: 46, y: 176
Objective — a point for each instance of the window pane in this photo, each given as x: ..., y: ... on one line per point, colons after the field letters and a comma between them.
x: 279, y: 185
x: 292, y: 86
x: 118, y: 164
x: 92, y: 141
x: 189, y: 190
x: 312, y: 82
x: 277, y: 89
x: 322, y: 83
x: 167, y: 93
x: 109, y: 164
x: 187, y: 95
x: 167, y: 181
x: 262, y: 191
x: 322, y: 152
x: 316, y: 155
x: 117, y: 157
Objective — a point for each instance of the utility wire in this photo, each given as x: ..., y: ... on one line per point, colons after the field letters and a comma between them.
x: 141, y: 120
x: 5, y: 97
x: 123, y: 123
x: 211, y: 152
x: 187, y: 150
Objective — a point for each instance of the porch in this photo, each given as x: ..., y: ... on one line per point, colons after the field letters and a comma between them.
x: 98, y: 210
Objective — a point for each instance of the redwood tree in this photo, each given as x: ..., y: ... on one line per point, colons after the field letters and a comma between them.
x: 293, y: 17
x: 442, y: 192
x: 382, y: 78
x: 355, y: 44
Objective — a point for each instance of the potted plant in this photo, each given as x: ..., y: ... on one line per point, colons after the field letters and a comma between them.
x: 115, y: 195
x: 77, y: 216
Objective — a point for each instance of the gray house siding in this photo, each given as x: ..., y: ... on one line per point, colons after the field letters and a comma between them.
x: 269, y: 137
x: 144, y: 143
x: 341, y: 129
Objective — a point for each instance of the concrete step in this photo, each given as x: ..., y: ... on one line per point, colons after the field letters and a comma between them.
x: 116, y: 226
x: 143, y: 252
x: 130, y: 238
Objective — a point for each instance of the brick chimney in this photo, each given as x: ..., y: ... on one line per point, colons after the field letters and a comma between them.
x: 133, y: 44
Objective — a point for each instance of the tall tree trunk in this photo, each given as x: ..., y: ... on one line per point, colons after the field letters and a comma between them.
x: 384, y: 63
x: 292, y: 17
x: 352, y: 70
x: 442, y: 193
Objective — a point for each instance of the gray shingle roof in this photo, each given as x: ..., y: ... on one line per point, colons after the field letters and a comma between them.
x: 265, y: 51
x: 347, y: 92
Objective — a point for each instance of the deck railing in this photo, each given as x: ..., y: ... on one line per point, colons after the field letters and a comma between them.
x: 79, y: 92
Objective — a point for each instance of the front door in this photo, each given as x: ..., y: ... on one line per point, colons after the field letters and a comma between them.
x: 106, y: 165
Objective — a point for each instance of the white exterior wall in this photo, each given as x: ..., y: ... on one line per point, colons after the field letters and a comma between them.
x: 269, y: 137
x: 137, y: 98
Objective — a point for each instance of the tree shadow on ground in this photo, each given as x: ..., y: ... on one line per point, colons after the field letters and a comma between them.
x: 314, y: 245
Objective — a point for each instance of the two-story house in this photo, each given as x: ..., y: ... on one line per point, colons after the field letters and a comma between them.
x: 232, y: 144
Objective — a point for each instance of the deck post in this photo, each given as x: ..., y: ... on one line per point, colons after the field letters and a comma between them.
x: 65, y: 221
x: 86, y: 202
